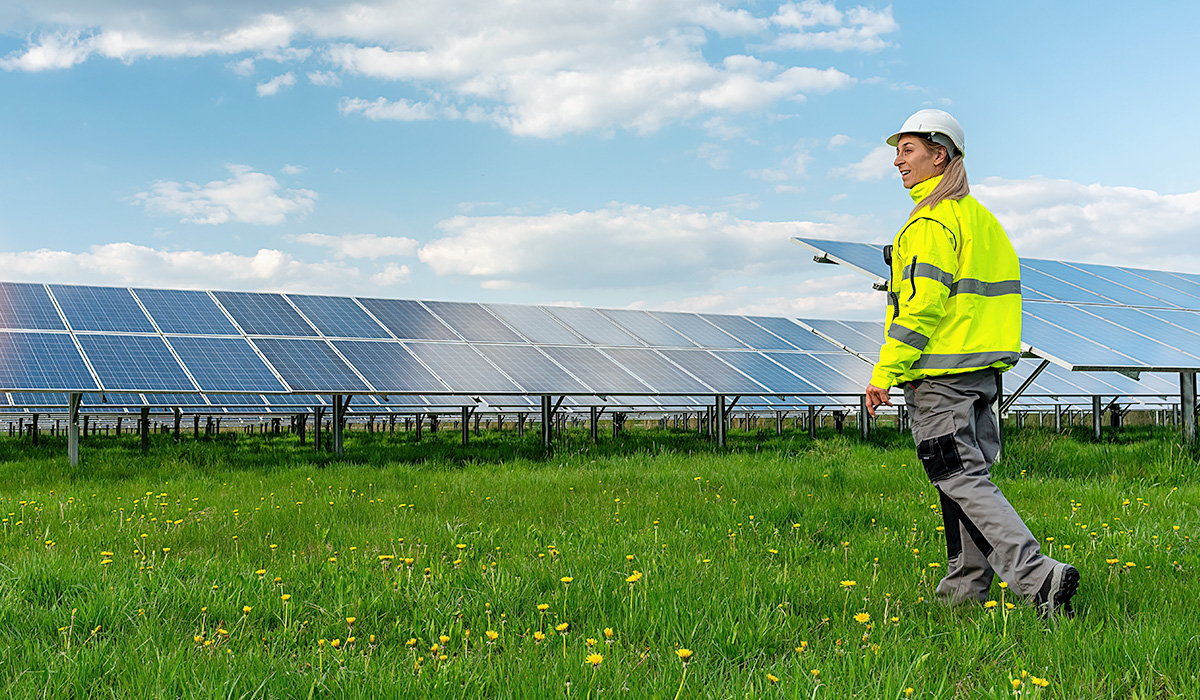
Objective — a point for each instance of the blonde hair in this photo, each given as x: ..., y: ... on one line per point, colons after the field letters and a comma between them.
x: 954, y: 178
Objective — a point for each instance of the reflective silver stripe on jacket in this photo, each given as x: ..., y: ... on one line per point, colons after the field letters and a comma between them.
x: 966, y: 359
x: 908, y: 336
x: 985, y: 289
x: 933, y: 272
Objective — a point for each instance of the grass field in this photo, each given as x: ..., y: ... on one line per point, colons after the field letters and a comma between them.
x: 249, y: 567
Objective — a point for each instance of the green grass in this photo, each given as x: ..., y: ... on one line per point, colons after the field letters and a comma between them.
x: 742, y: 553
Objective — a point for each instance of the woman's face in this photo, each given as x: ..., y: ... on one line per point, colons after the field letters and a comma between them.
x: 915, y: 161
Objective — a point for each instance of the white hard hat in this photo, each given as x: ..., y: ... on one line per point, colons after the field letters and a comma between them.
x: 932, y: 123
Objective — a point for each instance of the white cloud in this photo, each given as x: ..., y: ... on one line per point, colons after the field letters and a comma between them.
x: 383, y: 109
x: 131, y: 264
x: 324, y: 79
x: 392, y: 274
x: 359, y: 245
x: 244, y: 67
x: 1065, y: 220
x: 290, y: 169
x: 621, y: 245
x: 248, y: 197
x: 838, y: 140
x: 876, y: 165
x: 274, y: 85
x: 858, y: 29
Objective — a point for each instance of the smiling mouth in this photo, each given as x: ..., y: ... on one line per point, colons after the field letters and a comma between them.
x: 904, y: 172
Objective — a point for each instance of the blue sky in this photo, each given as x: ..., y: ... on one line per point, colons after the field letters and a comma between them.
x: 657, y: 154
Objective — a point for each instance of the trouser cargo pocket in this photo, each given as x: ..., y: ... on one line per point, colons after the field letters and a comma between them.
x: 940, y: 457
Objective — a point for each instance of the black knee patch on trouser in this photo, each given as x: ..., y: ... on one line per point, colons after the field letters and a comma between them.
x: 940, y: 457
x: 952, y: 516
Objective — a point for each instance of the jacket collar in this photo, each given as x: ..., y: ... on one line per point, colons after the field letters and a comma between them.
x: 922, y: 189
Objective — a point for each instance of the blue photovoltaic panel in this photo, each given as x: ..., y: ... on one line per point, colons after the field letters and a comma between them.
x: 748, y: 332
x: 698, y: 330
x: 535, y: 324
x: 597, y: 371
x: 168, y: 400
x: 800, y: 337
x: 1047, y: 338
x: 464, y: 369
x: 473, y: 322
x: 593, y: 327
x: 1103, y: 286
x: 300, y: 400
x: 29, y: 398
x: 310, y: 365
x: 645, y: 326
x: 769, y: 374
x: 101, y: 309
x: 389, y: 366
x: 855, y: 369
x: 408, y: 320
x: 338, y: 317
x: 817, y: 373
x: 264, y: 314
x: 1035, y: 279
x: 530, y: 368
x: 225, y: 364
x: 713, y: 372
x: 1190, y: 283
x: 134, y: 363
x: 865, y: 256
x: 28, y: 306
x: 185, y: 311
x: 42, y: 361
x: 1150, y: 323
x: 871, y: 330
x: 655, y: 370
x: 841, y: 333
x: 1170, y: 296
x: 1180, y: 284
x: 1090, y: 324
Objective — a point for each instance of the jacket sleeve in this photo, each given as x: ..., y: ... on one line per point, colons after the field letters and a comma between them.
x: 922, y: 272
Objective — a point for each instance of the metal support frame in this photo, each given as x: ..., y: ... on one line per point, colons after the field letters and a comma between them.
x: 864, y: 418
x: 73, y: 428
x: 178, y: 418
x: 547, y: 417
x: 339, y: 419
x: 1097, y: 412
x: 812, y: 421
x: 1187, y: 404
x: 595, y: 424
x: 1024, y: 385
x: 466, y: 425
x: 720, y: 413
x: 318, y: 419
x: 144, y: 428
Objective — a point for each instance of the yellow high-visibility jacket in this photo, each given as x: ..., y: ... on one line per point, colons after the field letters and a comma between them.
x: 954, y: 298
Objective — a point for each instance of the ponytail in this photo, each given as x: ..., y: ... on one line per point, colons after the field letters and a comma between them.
x: 953, y: 185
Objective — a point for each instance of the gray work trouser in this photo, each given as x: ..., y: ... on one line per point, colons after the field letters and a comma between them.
x: 957, y: 435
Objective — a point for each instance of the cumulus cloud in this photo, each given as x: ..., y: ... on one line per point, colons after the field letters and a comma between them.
x: 621, y: 245
x: 247, y: 197
x: 535, y: 70
x: 817, y: 25
x: 1065, y: 220
x: 876, y: 165
x: 360, y: 245
x: 274, y: 85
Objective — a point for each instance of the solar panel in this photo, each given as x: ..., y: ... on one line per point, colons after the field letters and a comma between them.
x: 42, y: 361
x: 748, y: 332
x: 389, y: 366
x: 1169, y: 296
x: 818, y: 373
x: 698, y: 329
x: 1109, y: 289
x: 28, y: 306
x: 224, y: 364
x: 310, y: 365
x: 294, y: 400
x: 1091, y: 324
x: 1035, y: 279
x: 797, y: 335
x: 169, y: 400
x: 844, y: 334
x: 769, y: 374
x: 855, y: 369
x: 1177, y: 334
x: 1190, y: 283
x: 101, y: 309
x: 535, y: 324
x: 646, y: 327
x: 596, y: 370
x: 713, y: 372
x: 185, y: 311
x: 473, y: 322
x: 593, y: 327
x: 532, y: 369
x: 264, y: 314
x: 864, y: 256
x: 655, y: 370
x: 1048, y: 339
x: 338, y: 317
x: 134, y: 363
x: 408, y: 320
x: 1171, y: 281
x: 462, y: 368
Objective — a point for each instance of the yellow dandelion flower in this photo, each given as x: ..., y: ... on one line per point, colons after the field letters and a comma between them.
x: 285, y: 597
x: 566, y: 579
x: 608, y: 633
x: 634, y: 577
x: 492, y: 635
x: 862, y: 617
x: 990, y: 604
x: 590, y: 642
x: 685, y: 655
x: 260, y: 572
x: 335, y: 643
x: 350, y: 620
x: 246, y: 609
x: 816, y: 673
x: 595, y: 659
x: 849, y: 584
x: 461, y: 546
x: 772, y: 678
x: 444, y: 639
x: 1004, y: 584
x: 538, y: 636
x: 412, y: 642
x: 629, y: 557
x: 908, y: 692
x: 543, y: 607
x: 562, y: 629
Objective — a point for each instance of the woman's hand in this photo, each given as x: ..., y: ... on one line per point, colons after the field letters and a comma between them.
x: 877, y: 397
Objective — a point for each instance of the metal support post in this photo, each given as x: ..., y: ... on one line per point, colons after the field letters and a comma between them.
x: 812, y: 421
x: 339, y: 418
x: 1187, y: 402
x: 73, y: 429
x: 33, y: 429
x: 595, y: 423
x: 178, y: 418
x: 318, y: 418
x: 779, y: 422
x: 301, y: 424
x: 420, y: 425
x: 521, y: 424
x: 864, y: 423
x: 719, y: 414
x: 466, y: 425
x: 1097, y: 411
x: 1058, y: 418
x: 546, y: 418
x: 144, y: 428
